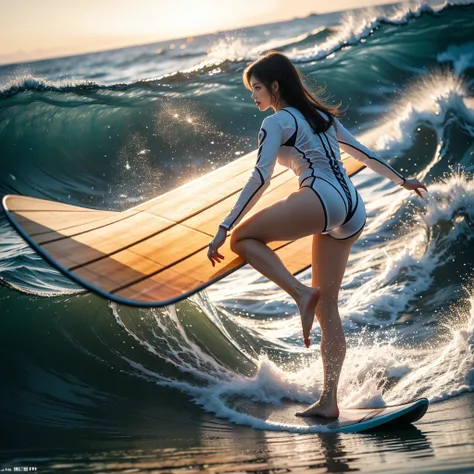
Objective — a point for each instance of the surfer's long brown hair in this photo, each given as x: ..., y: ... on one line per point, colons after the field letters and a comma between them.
x: 275, y: 66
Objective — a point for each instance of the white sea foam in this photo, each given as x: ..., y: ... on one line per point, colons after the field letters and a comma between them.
x: 23, y: 79
x: 234, y: 47
x: 461, y: 56
x: 354, y: 26
x: 357, y: 25
x: 378, y: 370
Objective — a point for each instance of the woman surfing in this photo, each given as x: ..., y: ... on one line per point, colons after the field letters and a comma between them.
x: 305, y: 135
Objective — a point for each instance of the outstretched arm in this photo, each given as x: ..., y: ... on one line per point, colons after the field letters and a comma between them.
x: 372, y: 160
x: 270, y: 138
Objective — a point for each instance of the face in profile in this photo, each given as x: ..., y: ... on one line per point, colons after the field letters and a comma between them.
x: 260, y: 94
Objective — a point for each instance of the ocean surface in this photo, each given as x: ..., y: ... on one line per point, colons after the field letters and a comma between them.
x: 91, y: 386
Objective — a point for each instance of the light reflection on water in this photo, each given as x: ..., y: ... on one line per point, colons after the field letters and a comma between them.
x: 442, y: 440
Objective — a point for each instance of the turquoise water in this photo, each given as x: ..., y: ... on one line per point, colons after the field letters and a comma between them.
x: 88, y: 385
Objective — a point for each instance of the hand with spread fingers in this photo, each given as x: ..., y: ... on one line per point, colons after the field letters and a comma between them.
x: 414, y: 185
x: 212, y: 254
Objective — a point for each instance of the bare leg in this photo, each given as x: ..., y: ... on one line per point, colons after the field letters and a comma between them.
x: 267, y: 262
x: 299, y: 215
x: 329, y: 263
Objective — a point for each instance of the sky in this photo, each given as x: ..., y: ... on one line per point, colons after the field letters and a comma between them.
x: 32, y: 29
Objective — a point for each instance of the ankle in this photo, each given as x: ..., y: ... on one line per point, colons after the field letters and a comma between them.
x: 328, y: 398
x: 298, y: 291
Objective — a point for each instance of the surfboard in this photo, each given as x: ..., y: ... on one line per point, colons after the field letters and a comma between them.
x: 351, y: 420
x: 154, y: 254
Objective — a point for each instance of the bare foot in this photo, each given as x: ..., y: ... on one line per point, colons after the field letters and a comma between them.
x: 307, y: 307
x: 323, y: 411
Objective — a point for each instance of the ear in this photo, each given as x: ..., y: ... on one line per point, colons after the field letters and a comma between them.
x: 275, y: 86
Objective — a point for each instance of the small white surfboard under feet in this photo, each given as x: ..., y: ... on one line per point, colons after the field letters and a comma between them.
x: 351, y: 420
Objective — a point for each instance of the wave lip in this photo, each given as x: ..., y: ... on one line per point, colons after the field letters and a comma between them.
x: 30, y: 82
x: 356, y: 27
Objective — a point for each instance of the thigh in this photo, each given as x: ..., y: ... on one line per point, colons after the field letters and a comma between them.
x: 298, y: 215
x: 329, y: 260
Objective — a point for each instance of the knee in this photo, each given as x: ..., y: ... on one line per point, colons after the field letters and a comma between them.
x: 238, y: 237
x: 234, y: 241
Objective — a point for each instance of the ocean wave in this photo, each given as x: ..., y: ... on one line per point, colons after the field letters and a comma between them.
x: 433, y: 101
x: 380, y: 369
x: 461, y: 56
x: 406, y: 302
x: 29, y: 82
x: 357, y: 26
x: 400, y: 274
x: 197, y: 349
x: 436, y: 104
x: 235, y: 48
x: 229, y: 52
x: 354, y: 29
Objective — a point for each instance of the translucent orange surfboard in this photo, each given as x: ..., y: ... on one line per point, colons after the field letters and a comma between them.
x: 154, y: 254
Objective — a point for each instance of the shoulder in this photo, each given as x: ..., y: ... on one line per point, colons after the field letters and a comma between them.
x: 280, y: 120
x: 323, y: 115
x: 280, y: 126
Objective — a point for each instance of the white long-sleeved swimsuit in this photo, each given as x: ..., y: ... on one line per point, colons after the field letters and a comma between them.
x: 315, y: 158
